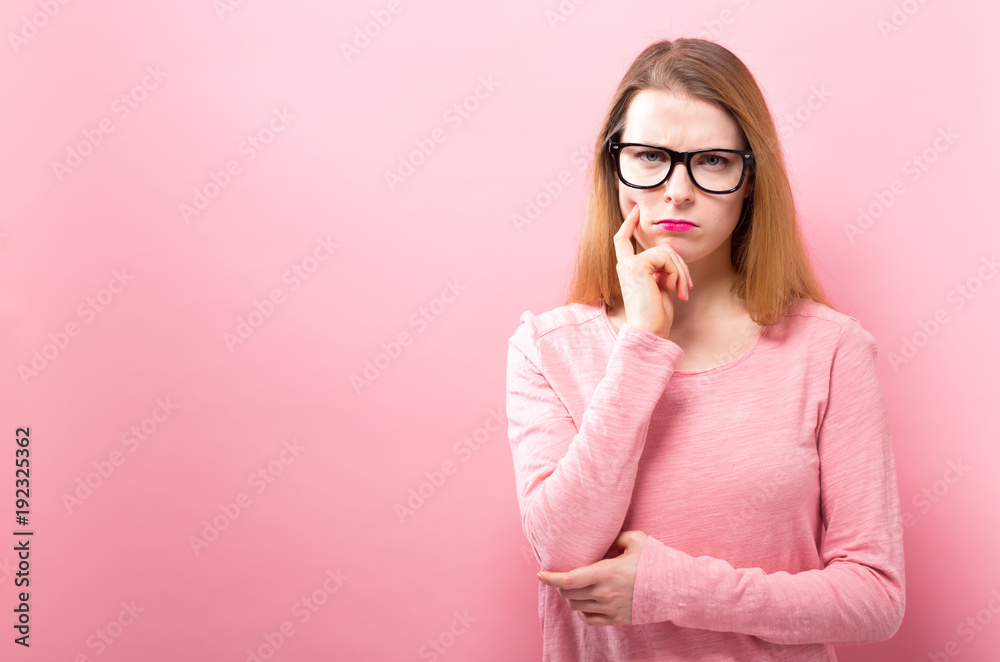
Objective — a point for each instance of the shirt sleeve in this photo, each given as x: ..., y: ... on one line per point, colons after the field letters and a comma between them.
x: 574, y: 486
x: 858, y: 596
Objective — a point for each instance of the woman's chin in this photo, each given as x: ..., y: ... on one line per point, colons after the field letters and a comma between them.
x: 674, y: 243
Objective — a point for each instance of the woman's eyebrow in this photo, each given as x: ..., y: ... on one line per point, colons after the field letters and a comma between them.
x: 715, y: 146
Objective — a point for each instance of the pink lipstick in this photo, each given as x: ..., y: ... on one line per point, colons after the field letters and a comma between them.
x: 675, y: 224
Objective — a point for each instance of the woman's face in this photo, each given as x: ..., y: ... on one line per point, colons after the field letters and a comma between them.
x: 683, y: 124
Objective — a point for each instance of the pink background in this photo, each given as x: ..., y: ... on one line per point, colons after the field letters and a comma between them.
x: 425, y: 279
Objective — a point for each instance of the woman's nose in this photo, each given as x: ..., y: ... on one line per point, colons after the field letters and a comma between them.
x: 678, y: 188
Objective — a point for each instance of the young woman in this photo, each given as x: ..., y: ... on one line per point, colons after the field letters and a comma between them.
x: 701, y: 446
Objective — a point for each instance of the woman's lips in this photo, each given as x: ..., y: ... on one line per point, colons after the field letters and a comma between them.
x: 675, y: 224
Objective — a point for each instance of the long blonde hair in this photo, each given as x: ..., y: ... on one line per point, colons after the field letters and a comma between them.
x: 768, y: 254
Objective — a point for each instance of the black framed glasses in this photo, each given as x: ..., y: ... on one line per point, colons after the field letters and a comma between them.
x: 711, y: 170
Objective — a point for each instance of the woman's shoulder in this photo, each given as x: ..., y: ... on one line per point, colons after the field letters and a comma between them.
x: 822, y: 320
x: 573, y: 319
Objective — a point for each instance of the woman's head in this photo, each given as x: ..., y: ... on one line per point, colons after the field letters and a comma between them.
x: 707, y: 189
x: 710, y: 92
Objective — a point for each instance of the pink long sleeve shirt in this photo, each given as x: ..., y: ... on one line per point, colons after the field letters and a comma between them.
x: 766, y: 485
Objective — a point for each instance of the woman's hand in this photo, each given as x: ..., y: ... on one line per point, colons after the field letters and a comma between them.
x: 646, y: 297
x: 602, y: 591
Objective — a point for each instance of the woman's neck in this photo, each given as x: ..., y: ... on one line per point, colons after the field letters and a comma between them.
x: 712, y: 296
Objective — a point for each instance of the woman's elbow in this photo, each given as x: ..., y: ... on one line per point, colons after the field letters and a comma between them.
x: 890, y: 614
x: 894, y: 619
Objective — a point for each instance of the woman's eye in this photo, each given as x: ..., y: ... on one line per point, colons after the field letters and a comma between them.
x: 651, y: 157
x: 713, y: 160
